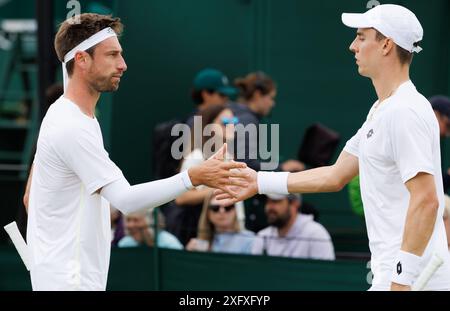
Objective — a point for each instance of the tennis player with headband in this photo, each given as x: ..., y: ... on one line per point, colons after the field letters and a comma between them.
x: 396, y: 153
x: 68, y: 230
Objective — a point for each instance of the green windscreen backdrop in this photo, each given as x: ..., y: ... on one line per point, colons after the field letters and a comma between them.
x: 142, y: 269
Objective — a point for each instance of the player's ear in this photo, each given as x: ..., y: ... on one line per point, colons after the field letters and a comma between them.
x: 388, y: 46
x: 81, y: 59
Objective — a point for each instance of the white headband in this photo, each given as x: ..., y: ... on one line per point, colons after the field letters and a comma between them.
x: 83, y: 46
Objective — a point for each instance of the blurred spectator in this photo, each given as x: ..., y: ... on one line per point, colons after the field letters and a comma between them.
x: 441, y: 107
x: 292, y: 234
x: 117, y: 227
x: 210, y: 87
x: 257, y: 93
x: 219, y: 230
x: 183, y: 215
x: 139, y: 227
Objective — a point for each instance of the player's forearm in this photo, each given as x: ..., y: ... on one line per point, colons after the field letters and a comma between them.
x: 447, y: 230
x: 419, y: 225
x: 26, y: 195
x: 321, y: 179
x: 129, y: 199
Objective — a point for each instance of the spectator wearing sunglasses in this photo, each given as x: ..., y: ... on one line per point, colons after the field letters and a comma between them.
x: 182, y: 217
x: 219, y: 230
x: 257, y: 92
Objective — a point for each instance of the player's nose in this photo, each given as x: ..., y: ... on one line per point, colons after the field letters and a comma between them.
x: 122, y: 64
x: 353, y: 47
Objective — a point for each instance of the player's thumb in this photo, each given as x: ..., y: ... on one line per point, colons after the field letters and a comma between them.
x: 221, y: 153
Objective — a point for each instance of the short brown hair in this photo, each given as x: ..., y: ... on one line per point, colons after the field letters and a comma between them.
x: 71, y: 34
x: 404, y: 56
x: 256, y: 81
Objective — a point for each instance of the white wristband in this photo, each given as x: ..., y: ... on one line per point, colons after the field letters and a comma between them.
x: 187, y: 180
x: 273, y: 182
x: 406, y: 268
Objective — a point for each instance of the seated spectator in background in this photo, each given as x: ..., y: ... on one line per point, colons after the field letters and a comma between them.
x: 139, y: 227
x: 441, y: 107
x: 256, y: 99
x: 183, y: 216
x: 210, y: 87
x: 219, y: 230
x: 292, y: 234
x: 117, y: 227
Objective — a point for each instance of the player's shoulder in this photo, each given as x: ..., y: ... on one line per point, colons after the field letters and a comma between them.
x: 59, y: 113
x: 409, y: 100
x: 64, y: 117
x: 411, y: 106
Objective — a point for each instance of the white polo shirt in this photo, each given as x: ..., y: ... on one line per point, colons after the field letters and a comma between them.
x: 69, y: 231
x: 400, y: 140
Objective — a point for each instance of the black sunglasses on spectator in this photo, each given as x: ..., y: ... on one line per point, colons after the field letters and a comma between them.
x: 216, y: 208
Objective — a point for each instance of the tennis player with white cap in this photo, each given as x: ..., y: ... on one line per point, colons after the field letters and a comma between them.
x: 396, y: 153
x: 68, y: 230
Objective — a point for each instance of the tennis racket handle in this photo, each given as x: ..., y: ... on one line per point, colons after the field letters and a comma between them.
x: 426, y: 274
x: 19, y: 243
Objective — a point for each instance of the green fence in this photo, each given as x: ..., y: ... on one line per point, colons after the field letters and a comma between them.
x: 143, y: 269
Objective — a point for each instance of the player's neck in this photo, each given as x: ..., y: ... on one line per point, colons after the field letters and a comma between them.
x: 83, y: 96
x: 387, y: 82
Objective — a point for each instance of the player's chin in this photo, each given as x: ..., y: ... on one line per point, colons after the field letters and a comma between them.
x: 111, y: 88
x: 362, y: 72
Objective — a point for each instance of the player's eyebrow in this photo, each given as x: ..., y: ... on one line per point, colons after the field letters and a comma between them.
x: 360, y: 34
x: 115, y: 51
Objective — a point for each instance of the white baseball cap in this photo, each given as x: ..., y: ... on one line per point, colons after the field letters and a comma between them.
x: 393, y: 21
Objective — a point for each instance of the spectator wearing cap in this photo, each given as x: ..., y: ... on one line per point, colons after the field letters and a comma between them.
x: 210, y: 87
x: 290, y: 233
x: 441, y: 108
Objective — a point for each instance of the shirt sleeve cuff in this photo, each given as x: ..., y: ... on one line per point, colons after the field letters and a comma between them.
x: 186, y: 180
